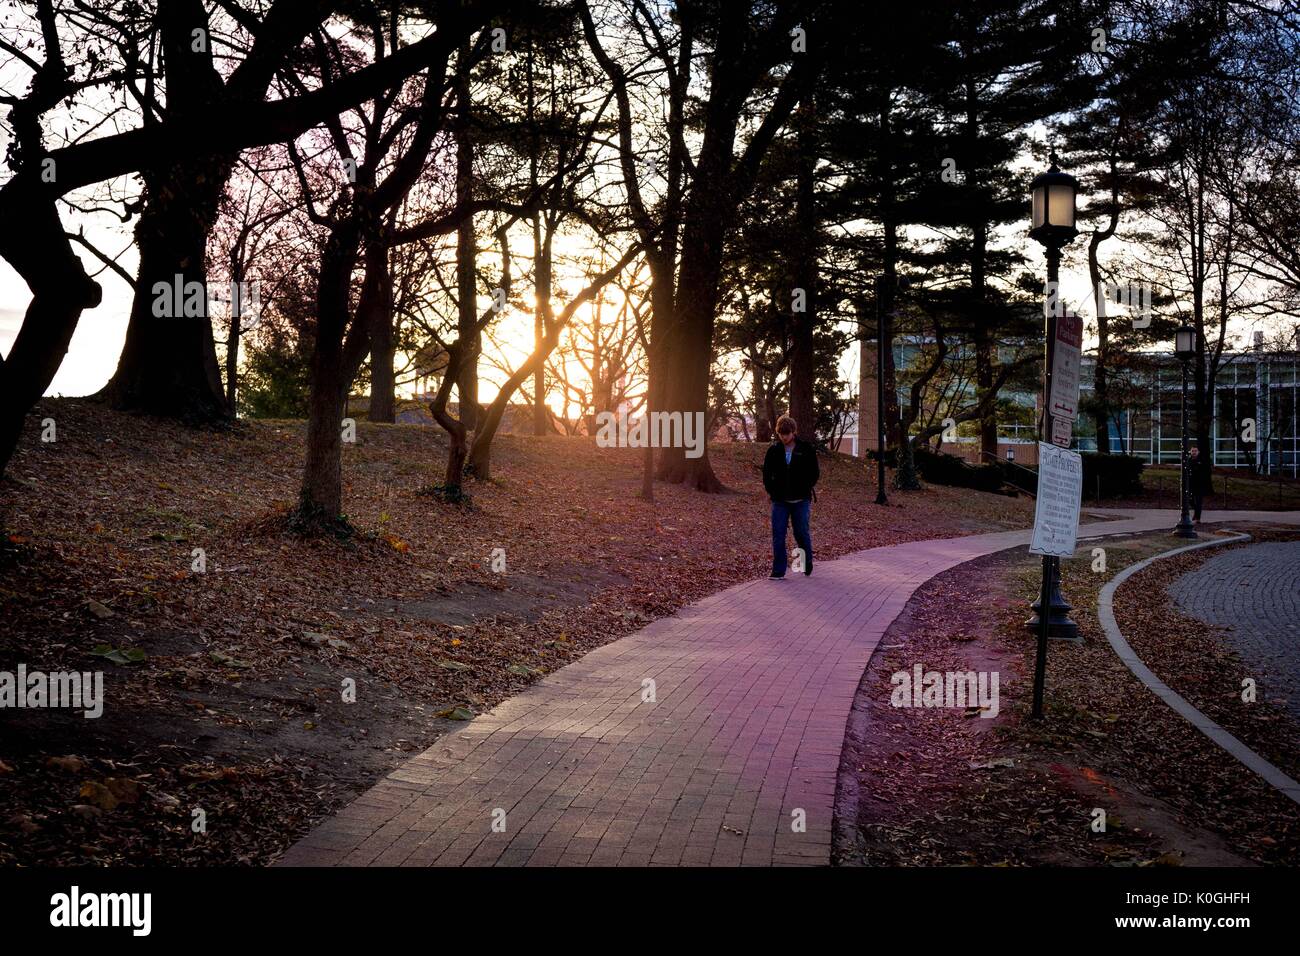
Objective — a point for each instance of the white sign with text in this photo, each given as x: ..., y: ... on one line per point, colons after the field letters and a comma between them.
x: 1066, y: 352
x: 1060, y: 493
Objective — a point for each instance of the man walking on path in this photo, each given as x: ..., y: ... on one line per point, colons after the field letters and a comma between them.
x: 790, y: 471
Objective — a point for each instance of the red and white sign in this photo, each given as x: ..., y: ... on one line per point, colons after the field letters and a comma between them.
x: 1062, y: 432
x: 1066, y: 351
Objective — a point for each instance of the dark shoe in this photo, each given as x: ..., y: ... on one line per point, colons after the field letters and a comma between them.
x: 776, y: 577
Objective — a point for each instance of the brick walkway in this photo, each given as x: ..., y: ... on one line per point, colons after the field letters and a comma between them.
x: 742, y: 738
x: 1254, y: 592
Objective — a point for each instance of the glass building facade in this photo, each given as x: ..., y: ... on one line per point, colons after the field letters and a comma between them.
x: 1255, y: 395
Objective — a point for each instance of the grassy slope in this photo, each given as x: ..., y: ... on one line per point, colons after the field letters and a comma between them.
x: 236, y: 709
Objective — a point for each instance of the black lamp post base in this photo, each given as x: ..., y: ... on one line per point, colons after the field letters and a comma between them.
x: 1185, y: 529
x: 1059, y: 625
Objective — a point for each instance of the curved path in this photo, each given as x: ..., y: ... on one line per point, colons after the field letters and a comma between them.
x: 1274, y: 776
x: 1254, y: 593
x: 718, y: 761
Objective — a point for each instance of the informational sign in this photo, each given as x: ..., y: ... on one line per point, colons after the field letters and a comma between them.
x: 1062, y: 431
x: 1060, y: 493
x: 1064, y: 400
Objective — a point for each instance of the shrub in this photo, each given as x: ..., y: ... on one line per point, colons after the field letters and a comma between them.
x: 1120, y: 476
x: 275, y: 382
x: 943, y: 469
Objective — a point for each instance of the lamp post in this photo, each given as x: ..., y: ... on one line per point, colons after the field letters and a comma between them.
x: 1185, y: 349
x: 881, y: 411
x: 1053, y: 226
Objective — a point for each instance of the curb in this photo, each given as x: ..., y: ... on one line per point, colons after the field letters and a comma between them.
x: 1106, y: 615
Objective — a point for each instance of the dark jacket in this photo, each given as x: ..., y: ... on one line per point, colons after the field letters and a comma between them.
x: 792, y: 482
x: 1198, y: 477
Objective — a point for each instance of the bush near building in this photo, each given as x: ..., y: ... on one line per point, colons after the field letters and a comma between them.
x: 943, y: 469
x: 1104, y: 476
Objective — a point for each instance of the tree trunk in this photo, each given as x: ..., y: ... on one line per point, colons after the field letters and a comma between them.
x: 457, y: 446
x: 648, y: 455
x: 889, y: 269
x: 466, y: 252
x: 1100, y: 384
x: 762, y: 405
x: 688, y: 351
x: 1202, y: 409
x: 232, y: 337
x: 1100, y: 378
x: 380, y: 322
x: 320, y: 502
x: 803, y: 362
x: 905, y: 476
x: 40, y: 253
x: 988, y: 422
x: 541, y: 316
x: 168, y: 365
x: 983, y: 339
x: 690, y: 392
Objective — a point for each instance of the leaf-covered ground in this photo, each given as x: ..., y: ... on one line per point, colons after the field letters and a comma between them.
x: 945, y: 787
x: 225, y: 689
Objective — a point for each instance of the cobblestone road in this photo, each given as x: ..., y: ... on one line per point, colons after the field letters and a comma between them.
x: 1254, y: 593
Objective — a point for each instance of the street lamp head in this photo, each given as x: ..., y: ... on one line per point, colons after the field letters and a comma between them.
x: 1053, y: 195
x: 1185, y: 343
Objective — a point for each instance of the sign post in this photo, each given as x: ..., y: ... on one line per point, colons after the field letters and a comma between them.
x: 1052, y: 218
x: 1060, y: 472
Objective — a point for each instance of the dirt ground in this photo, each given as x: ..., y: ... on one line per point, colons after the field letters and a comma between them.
x: 948, y: 787
x: 226, y: 733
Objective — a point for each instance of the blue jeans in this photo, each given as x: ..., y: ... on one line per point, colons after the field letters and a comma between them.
x: 797, y: 514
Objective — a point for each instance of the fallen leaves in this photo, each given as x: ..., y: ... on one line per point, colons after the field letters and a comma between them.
x: 232, y: 663
x: 68, y: 764
x: 129, y: 655
x: 98, y: 610
x: 991, y: 764
x: 110, y: 793
x: 940, y: 790
x: 456, y: 713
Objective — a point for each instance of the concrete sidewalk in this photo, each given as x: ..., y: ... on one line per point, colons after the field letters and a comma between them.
x: 703, y: 738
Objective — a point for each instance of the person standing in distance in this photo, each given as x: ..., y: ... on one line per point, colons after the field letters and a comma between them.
x: 790, y: 471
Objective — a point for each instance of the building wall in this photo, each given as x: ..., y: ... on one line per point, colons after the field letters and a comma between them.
x: 1258, y: 385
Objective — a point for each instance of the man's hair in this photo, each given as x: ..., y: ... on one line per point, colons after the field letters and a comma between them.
x: 786, y: 424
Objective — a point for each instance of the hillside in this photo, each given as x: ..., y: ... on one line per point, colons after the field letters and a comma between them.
x: 234, y: 704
